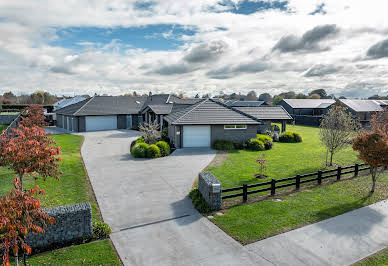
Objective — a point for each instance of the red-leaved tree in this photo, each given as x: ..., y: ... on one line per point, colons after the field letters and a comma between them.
x: 372, y: 145
x: 33, y: 116
x: 29, y: 150
x: 20, y: 214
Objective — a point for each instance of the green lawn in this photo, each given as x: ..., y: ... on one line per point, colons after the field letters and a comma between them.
x: 284, y: 160
x: 3, y: 127
x: 72, y: 188
x: 94, y: 253
x: 380, y: 258
x: 255, y: 221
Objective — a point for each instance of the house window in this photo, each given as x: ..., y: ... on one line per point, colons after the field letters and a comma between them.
x: 235, y: 126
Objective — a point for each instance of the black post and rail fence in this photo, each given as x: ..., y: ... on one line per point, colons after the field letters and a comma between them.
x: 295, y: 181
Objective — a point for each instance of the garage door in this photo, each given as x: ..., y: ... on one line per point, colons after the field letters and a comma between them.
x: 94, y: 123
x: 196, y: 136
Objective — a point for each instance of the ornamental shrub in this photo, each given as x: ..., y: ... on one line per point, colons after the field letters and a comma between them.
x: 268, y: 145
x: 290, y: 137
x: 139, y: 150
x: 198, y: 201
x: 153, y: 151
x: 101, y: 230
x: 163, y: 147
x: 256, y: 145
x: 223, y: 145
x: 264, y: 138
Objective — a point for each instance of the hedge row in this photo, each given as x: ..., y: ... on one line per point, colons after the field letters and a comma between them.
x: 143, y: 150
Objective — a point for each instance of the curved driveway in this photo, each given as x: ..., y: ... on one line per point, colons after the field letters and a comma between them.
x: 146, y: 204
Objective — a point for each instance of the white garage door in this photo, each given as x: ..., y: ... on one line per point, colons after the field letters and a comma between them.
x: 94, y: 123
x: 196, y: 136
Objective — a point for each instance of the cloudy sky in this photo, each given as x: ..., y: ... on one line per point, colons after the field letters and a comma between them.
x: 117, y: 46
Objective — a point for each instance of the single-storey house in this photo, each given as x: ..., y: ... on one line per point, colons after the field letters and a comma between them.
x: 101, y: 113
x: 364, y: 109
x: 159, y: 105
x: 199, y: 125
x: 307, y: 111
x: 268, y: 115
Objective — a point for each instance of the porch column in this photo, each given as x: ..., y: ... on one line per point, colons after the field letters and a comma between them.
x: 283, y: 126
x: 161, y: 122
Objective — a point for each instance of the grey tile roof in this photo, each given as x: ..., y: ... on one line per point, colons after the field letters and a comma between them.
x: 174, y: 99
x: 244, y: 103
x: 362, y: 105
x: 309, y: 103
x: 161, y: 109
x: 105, y: 105
x: 267, y: 112
x: 210, y: 112
x: 155, y: 100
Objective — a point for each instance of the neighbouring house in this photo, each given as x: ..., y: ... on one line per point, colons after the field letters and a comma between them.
x: 101, y: 113
x: 268, y: 115
x: 364, y: 109
x: 201, y: 124
x: 68, y: 101
x: 159, y: 105
x: 307, y: 111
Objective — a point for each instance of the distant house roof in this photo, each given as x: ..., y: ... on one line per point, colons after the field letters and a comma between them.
x: 68, y: 101
x: 382, y: 103
x: 267, y: 112
x: 362, y: 105
x: 210, y: 112
x: 158, y: 100
x: 245, y: 103
x: 104, y: 105
x: 174, y: 99
x: 309, y: 103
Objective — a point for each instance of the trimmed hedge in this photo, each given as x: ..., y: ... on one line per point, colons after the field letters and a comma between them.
x: 290, y: 137
x: 268, y: 145
x: 139, y: 150
x: 256, y: 145
x: 223, y: 145
x: 153, y: 151
x: 101, y: 230
x: 264, y: 138
x: 163, y: 147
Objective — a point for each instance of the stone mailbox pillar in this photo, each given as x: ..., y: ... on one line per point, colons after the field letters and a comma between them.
x: 210, y: 189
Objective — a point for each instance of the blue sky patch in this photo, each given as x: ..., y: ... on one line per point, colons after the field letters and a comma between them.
x: 319, y: 10
x: 247, y: 7
x: 151, y: 37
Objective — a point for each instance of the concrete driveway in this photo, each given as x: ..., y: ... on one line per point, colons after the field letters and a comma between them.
x: 146, y: 204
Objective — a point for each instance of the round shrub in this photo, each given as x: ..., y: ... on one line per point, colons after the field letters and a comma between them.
x: 223, y: 145
x: 163, y: 147
x: 101, y: 230
x: 140, y: 139
x: 133, y: 143
x: 153, y: 151
x: 139, y: 150
x: 264, y: 138
x: 268, y: 145
x: 290, y: 137
x: 256, y: 145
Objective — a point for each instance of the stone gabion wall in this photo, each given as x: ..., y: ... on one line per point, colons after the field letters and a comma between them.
x: 7, y: 119
x: 205, y: 186
x: 71, y: 223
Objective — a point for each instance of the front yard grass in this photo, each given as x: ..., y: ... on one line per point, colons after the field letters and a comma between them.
x: 3, y: 127
x: 251, y: 222
x: 72, y: 188
x: 379, y: 258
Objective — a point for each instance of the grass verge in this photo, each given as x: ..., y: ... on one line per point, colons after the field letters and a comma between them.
x: 379, y: 258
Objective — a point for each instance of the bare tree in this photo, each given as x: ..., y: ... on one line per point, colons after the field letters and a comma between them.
x: 150, y: 132
x: 337, y: 130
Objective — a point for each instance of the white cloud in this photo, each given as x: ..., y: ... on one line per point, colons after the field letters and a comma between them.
x: 236, y: 58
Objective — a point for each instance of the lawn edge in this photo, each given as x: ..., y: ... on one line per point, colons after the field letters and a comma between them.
x: 363, y: 260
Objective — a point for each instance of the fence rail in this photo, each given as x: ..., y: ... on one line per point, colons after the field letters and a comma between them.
x: 298, y: 180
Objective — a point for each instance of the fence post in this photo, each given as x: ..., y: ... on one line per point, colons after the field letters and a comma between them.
x: 273, y: 187
x: 245, y: 192
x: 339, y: 173
x: 297, y: 182
x: 319, y: 177
x: 356, y: 170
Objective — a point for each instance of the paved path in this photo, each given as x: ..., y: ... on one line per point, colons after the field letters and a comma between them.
x: 154, y: 223
x: 146, y: 204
